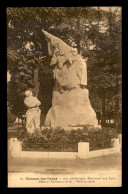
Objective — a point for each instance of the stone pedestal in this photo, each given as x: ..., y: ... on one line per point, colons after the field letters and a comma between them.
x: 15, y: 145
x: 83, y: 150
x: 83, y: 147
x: 11, y: 142
x: 115, y: 143
x: 71, y: 108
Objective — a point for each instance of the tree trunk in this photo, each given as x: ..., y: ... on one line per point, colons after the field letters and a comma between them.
x: 18, y: 122
x: 117, y: 105
x: 78, y: 43
x: 103, y: 111
x: 36, y: 83
x: 78, y: 36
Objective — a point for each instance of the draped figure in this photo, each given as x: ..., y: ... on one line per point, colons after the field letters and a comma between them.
x: 70, y: 103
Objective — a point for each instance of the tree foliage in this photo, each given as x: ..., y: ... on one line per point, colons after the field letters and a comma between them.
x: 95, y: 33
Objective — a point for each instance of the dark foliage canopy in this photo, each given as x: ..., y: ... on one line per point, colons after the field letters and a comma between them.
x: 95, y: 33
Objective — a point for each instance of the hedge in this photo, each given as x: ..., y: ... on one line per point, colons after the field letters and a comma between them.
x: 63, y: 140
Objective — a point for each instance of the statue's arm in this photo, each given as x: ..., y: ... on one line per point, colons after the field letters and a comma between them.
x: 38, y: 103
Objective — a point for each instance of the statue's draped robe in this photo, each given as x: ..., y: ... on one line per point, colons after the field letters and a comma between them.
x: 70, y: 104
x: 32, y: 114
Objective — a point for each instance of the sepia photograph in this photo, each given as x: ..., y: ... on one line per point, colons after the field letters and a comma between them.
x: 64, y: 96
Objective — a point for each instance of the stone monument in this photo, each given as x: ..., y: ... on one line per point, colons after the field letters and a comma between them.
x: 70, y: 103
x: 33, y: 112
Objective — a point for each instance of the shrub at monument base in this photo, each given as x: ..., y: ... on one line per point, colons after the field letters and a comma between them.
x: 62, y: 140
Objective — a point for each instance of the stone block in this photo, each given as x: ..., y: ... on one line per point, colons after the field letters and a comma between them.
x: 11, y: 142
x: 83, y: 150
x: 116, y: 145
x: 108, y: 151
x: 83, y: 156
x: 15, y: 145
x: 83, y: 147
x: 95, y: 153
x: 16, y: 154
x: 30, y: 154
x: 67, y: 155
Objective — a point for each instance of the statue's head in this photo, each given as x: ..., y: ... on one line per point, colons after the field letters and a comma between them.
x: 28, y: 93
x: 59, y: 58
x: 74, y: 51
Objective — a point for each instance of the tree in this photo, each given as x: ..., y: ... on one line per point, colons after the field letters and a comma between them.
x: 105, y: 67
x: 81, y: 27
x: 11, y: 117
x: 22, y: 79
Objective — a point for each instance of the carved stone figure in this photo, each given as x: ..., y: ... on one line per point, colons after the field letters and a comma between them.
x: 33, y: 112
x: 70, y: 104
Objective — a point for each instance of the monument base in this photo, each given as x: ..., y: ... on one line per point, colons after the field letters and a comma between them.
x: 71, y: 127
x: 71, y: 108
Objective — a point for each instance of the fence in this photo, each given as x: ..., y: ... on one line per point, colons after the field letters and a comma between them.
x: 59, y: 147
x: 83, y: 152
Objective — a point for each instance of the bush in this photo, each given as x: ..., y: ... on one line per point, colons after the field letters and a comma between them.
x: 62, y: 140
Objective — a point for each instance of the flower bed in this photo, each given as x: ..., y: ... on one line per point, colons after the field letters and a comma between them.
x: 58, y: 139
